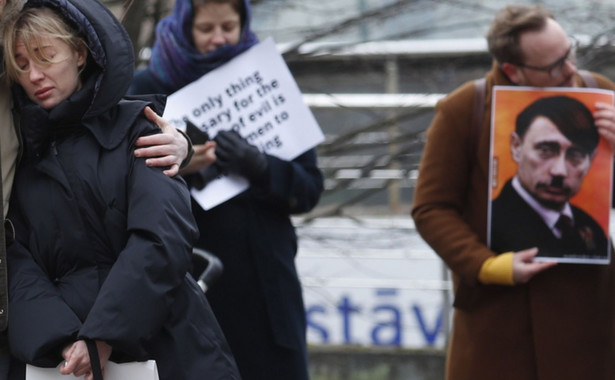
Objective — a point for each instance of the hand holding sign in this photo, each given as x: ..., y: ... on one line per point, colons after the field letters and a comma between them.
x: 236, y: 155
x: 260, y: 101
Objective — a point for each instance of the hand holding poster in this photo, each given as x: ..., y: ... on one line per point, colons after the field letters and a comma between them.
x: 255, y: 95
x: 551, y: 174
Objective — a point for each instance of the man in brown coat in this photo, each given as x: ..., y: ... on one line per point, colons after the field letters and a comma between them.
x: 515, y: 318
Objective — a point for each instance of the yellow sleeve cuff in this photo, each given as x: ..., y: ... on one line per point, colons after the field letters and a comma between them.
x: 498, y: 270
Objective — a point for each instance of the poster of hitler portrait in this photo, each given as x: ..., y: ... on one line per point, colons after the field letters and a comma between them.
x: 551, y: 174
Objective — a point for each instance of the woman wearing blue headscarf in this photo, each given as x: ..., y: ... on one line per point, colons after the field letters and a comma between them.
x: 257, y: 300
x: 183, y: 51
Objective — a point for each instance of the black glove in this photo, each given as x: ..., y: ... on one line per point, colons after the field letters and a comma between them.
x: 235, y: 155
x: 197, y: 136
x: 204, y: 176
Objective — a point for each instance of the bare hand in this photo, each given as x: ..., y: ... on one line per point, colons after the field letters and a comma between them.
x: 604, y: 117
x: 524, y: 266
x: 77, y: 359
x: 204, y: 155
x: 168, y: 148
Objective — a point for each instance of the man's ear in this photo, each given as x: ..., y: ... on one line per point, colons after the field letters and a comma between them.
x: 513, y: 72
x: 515, y: 146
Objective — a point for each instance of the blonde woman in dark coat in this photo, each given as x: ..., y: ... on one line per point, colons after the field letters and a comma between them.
x: 103, y: 242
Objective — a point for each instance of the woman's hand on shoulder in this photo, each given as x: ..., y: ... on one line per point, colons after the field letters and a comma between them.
x: 166, y: 149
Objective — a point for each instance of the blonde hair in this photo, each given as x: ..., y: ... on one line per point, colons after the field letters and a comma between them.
x: 30, y: 27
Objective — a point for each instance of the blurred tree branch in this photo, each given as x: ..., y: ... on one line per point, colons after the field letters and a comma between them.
x: 140, y: 16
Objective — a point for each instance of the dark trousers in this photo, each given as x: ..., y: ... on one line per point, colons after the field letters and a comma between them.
x: 5, y: 357
x: 10, y: 368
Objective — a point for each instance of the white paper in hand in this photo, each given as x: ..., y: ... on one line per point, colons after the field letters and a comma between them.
x: 113, y: 371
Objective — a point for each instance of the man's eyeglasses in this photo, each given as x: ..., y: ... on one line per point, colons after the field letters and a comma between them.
x: 555, y: 69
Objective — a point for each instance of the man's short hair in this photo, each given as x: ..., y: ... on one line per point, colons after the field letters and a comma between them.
x: 509, y: 23
x: 571, y: 117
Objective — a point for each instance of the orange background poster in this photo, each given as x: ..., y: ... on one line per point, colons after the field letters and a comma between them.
x: 595, y: 194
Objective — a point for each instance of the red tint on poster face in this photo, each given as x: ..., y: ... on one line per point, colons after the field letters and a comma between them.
x: 595, y: 192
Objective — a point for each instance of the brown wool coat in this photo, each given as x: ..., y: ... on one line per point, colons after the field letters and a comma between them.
x: 559, y: 326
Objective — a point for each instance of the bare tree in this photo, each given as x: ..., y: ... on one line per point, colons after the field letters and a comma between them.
x: 139, y: 17
x: 133, y: 19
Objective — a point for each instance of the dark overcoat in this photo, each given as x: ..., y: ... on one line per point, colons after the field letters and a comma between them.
x: 258, y: 299
x: 104, y: 242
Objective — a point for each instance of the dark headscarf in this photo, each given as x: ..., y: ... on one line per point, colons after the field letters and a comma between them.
x: 175, y: 61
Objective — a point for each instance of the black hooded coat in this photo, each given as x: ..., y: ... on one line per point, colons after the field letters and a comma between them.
x: 103, y: 242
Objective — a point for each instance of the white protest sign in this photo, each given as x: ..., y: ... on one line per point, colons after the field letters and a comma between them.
x: 256, y: 95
